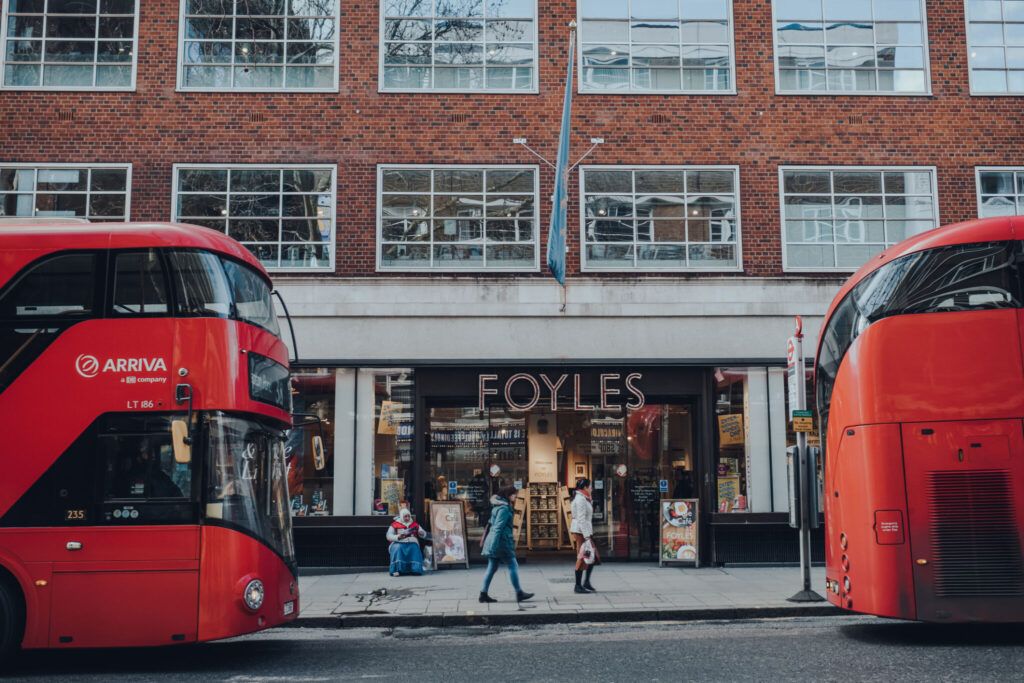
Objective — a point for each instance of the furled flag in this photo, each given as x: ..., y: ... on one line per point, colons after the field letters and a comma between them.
x: 560, y: 198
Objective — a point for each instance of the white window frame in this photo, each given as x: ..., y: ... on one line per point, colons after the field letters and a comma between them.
x: 44, y: 166
x: 4, y: 39
x: 926, y: 46
x: 970, y: 70
x: 644, y: 91
x: 978, y: 170
x: 333, y: 168
x: 535, y: 268
x: 587, y: 268
x: 535, y: 90
x: 180, y: 77
x: 844, y: 169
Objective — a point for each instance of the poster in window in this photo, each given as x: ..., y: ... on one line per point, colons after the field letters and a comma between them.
x: 730, y: 430
x: 391, y: 491
x: 729, y: 499
x: 679, y: 531
x: 390, y: 411
x: 448, y: 527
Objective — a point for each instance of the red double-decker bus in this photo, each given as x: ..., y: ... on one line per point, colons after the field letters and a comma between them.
x: 920, y: 390
x: 144, y: 398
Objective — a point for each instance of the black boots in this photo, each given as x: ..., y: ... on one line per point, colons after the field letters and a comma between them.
x: 580, y: 588
x: 586, y: 581
x: 484, y: 597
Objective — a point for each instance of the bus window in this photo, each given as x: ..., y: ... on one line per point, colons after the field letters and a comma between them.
x: 200, y: 284
x: 962, y: 277
x: 142, y: 466
x: 252, y: 296
x: 61, y: 286
x: 139, y: 284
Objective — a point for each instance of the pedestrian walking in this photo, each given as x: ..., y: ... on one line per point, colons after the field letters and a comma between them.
x: 582, y: 531
x: 405, y: 552
x: 500, y: 547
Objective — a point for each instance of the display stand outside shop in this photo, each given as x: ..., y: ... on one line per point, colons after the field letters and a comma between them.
x: 448, y: 527
x: 680, y: 523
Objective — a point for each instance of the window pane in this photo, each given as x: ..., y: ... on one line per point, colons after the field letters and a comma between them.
x: 899, y: 10
x: 200, y: 284
x: 139, y: 285
x: 653, y: 181
x: 798, y: 9
x: 510, y: 181
x: 985, y: 10
x: 62, y: 285
x: 142, y: 467
x: 807, y: 182
x: 609, y: 181
x: 458, y: 181
x: 808, y: 256
x: 406, y: 180
x: 997, y: 182
x: 854, y: 183
x: 107, y: 206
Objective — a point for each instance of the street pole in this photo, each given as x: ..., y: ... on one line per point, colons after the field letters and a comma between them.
x: 805, y: 476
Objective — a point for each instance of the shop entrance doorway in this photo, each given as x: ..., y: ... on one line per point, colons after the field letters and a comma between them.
x: 633, y: 457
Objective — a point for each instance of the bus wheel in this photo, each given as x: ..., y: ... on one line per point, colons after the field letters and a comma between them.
x: 11, y: 621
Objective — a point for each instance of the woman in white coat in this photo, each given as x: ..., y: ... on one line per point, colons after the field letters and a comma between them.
x: 582, y: 530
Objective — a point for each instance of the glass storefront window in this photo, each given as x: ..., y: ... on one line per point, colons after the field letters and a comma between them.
x: 732, y: 422
x: 393, y: 411
x: 311, y: 472
x: 628, y: 455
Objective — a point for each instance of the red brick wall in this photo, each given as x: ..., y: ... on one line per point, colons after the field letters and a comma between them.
x: 358, y: 127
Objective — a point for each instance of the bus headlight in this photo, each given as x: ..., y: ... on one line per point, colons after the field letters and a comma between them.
x: 253, y: 594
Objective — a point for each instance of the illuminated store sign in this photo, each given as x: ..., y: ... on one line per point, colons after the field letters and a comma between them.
x: 525, y: 391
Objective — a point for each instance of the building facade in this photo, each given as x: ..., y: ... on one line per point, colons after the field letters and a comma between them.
x: 379, y: 158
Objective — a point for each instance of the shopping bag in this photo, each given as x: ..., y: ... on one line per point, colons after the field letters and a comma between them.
x: 587, y: 552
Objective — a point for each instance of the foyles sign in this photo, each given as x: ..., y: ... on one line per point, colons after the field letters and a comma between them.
x: 525, y: 391
x: 89, y: 366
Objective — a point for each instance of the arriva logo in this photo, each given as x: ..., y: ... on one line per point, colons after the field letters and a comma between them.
x: 89, y: 366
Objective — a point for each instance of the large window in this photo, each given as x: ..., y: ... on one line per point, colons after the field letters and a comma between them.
x: 659, y: 217
x: 457, y: 218
x: 258, y: 45
x: 995, y: 40
x: 283, y: 214
x: 654, y: 45
x: 851, y: 46
x: 459, y: 45
x: 98, y: 193
x: 1000, y: 192
x: 836, y: 219
x: 69, y: 44
x: 62, y: 285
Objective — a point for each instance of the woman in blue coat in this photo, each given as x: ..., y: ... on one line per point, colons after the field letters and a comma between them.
x: 500, y: 546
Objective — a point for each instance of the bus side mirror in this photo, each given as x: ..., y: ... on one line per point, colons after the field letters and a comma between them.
x: 319, y: 461
x: 181, y: 441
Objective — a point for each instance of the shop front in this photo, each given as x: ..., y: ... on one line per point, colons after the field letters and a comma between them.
x: 641, y: 433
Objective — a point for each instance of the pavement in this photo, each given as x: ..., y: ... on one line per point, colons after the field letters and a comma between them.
x: 626, y: 592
